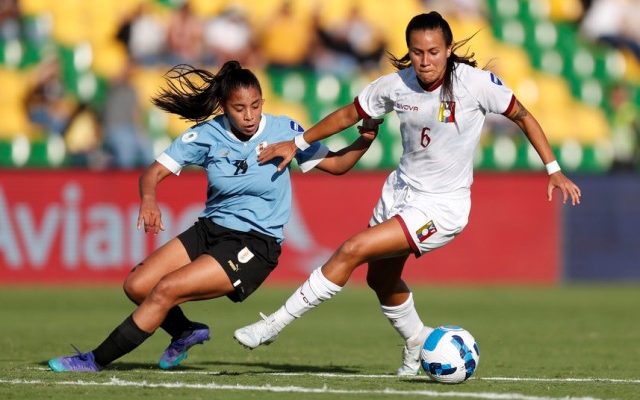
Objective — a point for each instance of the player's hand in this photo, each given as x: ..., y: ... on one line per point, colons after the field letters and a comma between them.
x: 150, y: 217
x: 369, y: 128
x: 568, y: 188
x: 285, y: 150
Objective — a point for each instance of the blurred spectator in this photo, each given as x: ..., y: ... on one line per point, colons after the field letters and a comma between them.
x: 47, y: 104
x: 625, y: 128
x: 125, y: 139
x: 143, y: 35
x: 290, y: 27
x: 10, y: 22
x: 614, y: 22
x: 350, y: 45
x: 184, y: 37
x: 229, y: 36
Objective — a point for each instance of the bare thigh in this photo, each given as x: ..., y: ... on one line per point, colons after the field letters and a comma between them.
x: 202, y: 279
x: 145, y: 276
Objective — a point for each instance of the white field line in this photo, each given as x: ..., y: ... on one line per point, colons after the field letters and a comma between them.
x: 291, y: 389
x: 389, y: 376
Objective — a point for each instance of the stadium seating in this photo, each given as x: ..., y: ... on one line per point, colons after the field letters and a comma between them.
x: 534, y: 46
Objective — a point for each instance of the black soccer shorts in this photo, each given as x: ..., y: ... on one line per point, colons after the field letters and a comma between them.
x: 247, y: 257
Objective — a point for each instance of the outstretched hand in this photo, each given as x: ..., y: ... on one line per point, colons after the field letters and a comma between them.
x: 150, y: 217
x: 568, y: 188
x: 285, y: 150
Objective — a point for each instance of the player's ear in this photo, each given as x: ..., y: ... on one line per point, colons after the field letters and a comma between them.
x: 448, y: 52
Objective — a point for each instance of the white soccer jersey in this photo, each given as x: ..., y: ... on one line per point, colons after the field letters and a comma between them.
x: 438, y: 138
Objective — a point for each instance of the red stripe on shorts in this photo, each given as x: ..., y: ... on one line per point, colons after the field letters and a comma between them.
x: 407, y: 234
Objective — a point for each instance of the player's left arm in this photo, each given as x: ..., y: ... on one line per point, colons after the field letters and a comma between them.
x: 341, y: 161
x: 532, y: 129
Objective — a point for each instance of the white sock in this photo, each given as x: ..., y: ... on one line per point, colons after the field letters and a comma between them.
x: 313, y: 291
x: 404, y: 318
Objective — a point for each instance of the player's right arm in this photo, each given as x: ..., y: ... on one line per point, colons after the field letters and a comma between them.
x: 333, y: 123
x: 149, y: 215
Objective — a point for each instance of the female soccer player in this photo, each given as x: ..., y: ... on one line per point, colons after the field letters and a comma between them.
x: 235, y: 243
x: 441, y: 100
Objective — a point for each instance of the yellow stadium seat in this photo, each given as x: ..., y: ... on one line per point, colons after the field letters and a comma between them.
x: 511, y: 63
x: 590, y: 123
x: 207, y: 8
x: 109, y: 58
x: 545, y: 92
x: 565, y: 10
x: 148, y: 82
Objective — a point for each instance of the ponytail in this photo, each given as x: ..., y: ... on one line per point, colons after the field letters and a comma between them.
x: 196, y: 94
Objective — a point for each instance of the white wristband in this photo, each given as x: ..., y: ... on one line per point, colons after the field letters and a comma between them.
x: 301, y: 143
x: 552, y: 167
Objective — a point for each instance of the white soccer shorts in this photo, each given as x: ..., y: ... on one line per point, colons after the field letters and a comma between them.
x: 429, y: 221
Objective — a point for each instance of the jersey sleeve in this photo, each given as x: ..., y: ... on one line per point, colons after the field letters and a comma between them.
x: 187, y: 149
x: 376, y: 99
x: 491, y: 93
x: 308, y: 159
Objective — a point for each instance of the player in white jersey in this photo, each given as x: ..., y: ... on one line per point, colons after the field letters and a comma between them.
x: 441, y: 100
x: 235, y: 244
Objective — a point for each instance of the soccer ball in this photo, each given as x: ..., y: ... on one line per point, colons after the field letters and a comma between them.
x: 450, y: 354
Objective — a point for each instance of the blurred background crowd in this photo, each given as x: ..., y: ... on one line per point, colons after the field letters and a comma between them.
x: 76, y: 76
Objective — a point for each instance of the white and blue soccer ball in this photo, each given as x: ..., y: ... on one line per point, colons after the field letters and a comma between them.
x: 450, y: 354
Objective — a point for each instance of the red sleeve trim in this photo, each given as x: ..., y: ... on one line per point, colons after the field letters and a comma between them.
x: 512, y: 103
x: 407, y: 234
x: 361, y: 112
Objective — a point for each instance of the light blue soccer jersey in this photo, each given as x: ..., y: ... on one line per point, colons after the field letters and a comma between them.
x: 242, y: 194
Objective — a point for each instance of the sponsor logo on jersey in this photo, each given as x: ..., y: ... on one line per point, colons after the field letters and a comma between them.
x: 447, y: 112
x: 189, y: 136
x: 245, y: 255
x: 295, y: 126
x: 495, y: 79
x: 405, y: 107
x: 425, y: 231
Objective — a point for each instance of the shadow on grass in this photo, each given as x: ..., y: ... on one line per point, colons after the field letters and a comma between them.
x: 226, y: 368
x: 270, y: 368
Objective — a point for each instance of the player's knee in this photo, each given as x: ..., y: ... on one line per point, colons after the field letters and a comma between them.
x: 136, y: 289
x: 164, y: 293
x: 353, y: 251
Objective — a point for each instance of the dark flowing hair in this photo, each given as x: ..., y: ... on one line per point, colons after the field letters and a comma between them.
x: 195, y: 94
x: 432, y: 21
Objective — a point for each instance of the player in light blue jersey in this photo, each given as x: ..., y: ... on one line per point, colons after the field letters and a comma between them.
x: 235, y: 243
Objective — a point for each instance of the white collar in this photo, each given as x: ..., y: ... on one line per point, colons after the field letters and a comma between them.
x: 227, y: 127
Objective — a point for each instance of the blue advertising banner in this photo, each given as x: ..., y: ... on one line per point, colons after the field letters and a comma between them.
x: 601, y: 236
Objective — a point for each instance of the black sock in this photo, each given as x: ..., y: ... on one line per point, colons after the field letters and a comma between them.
x: 126, y: 337
x: 176, y: 323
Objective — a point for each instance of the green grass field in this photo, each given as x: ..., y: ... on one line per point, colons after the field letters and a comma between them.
x: 536, y: 343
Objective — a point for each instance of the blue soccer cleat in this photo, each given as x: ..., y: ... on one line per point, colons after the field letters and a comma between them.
x: 177, y: 350
x: 80, y: 362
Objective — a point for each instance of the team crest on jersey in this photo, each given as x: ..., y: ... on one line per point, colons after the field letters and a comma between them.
x: 295, y: 126
x: 425, y: 231
x: 245, y: 255
x: 189, y: 136
x: 495, y: 79
x: 447, y: 112
x: 261, y: 146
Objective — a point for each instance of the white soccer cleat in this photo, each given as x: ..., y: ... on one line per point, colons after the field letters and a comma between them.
x: 261, y: 332
x: 411, y: 354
